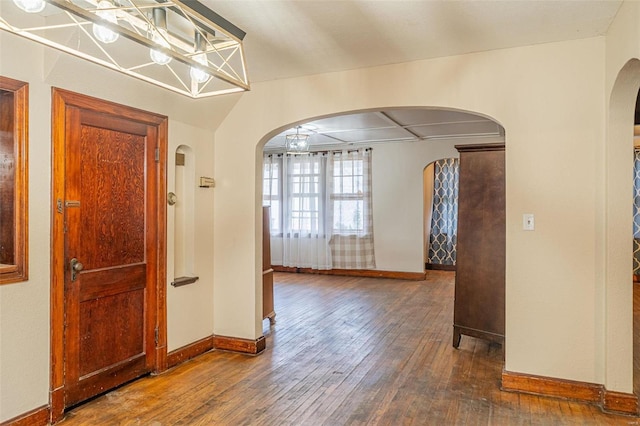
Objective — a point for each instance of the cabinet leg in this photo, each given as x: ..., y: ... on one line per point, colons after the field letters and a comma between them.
x: 272, y: 319
x: 456, y: 337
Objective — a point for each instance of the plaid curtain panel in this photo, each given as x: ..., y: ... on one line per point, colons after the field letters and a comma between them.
x: 349, y: 183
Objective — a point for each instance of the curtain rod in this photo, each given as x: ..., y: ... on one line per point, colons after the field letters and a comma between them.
x: 348, y: 151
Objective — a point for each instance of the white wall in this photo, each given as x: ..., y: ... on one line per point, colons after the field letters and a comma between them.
x: 24, y: 307
x: 549, y: 100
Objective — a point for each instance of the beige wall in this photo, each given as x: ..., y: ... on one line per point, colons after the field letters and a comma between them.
x: 549, y: 100
x: 614, y: 219
x: 568, y: 304
x: 24, y: 307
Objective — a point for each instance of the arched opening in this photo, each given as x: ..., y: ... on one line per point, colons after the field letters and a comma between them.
x: 618, y: 224
x: 402, y: 140
x: 184, y: 232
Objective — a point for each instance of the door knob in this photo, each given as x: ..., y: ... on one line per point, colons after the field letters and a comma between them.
x: 75, y: 267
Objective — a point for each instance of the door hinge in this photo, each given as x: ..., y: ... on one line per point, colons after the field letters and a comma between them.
x: 157, y: 155
x: 156, y: 333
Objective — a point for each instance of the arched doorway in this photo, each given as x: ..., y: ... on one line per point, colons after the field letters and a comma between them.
x: 403, y: 140
x: 617, y: 293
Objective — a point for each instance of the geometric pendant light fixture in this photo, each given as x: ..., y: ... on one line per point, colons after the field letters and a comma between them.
x: 297, y: 143
x: 182, y: 46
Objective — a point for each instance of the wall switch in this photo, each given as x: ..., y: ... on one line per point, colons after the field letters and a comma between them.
x: 527, y: 222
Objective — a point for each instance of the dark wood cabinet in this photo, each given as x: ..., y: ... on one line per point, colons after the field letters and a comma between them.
x: 479, y: 307
x: 268, y: 310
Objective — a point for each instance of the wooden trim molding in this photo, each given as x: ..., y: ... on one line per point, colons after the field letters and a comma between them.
x: 592, y: 393
x: 368, y: 273
x: 36, y: 417
x: 189, y: 351
x: 480, y: 147
x: 437, y: 267
x: 236, y: 344
x: 619, y: 402
x: 549, y: 386
x: 18, y: 269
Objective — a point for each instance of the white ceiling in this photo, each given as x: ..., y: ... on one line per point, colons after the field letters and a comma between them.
x: 391, y: 125
x: 291, y: 38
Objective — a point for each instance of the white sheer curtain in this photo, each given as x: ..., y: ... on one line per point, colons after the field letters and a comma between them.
x: 321, y: 214
x: 304, y: 213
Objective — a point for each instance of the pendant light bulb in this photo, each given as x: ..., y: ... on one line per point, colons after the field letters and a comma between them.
x: 104, y: 34
x: 157, y: 56
x: 197, y: 74
x: 160, y: 36
x: 31, y: 6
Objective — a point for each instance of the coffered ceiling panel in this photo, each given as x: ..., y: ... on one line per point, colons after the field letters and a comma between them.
x: 414, y: 116
x: 390, y: 125
x: 357, y: 121
x: 374, y: 135
x: 456, y: 129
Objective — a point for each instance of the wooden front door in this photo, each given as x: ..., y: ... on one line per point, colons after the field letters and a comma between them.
x: 109, y: 186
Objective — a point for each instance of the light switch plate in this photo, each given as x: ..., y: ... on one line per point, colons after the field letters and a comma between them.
x: 528, y: 222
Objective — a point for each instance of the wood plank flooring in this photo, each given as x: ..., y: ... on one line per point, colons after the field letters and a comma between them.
x: 344, y: 351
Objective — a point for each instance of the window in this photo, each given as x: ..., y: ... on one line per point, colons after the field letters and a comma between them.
x: 272, y: 190
x: 321, y: 208
x: 13, y: 180
x: 304, y: 179
x: 348, y: 197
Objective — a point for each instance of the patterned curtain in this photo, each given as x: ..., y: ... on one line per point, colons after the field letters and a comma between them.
x: 444, y: 217
x: 636, y: 213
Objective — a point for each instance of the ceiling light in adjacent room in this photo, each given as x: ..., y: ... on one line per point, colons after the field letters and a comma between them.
x: 297, y: 143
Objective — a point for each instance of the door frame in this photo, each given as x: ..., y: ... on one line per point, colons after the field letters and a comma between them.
x: 61, y: 99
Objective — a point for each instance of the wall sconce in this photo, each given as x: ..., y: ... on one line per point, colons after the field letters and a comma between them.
x: 177, y: 45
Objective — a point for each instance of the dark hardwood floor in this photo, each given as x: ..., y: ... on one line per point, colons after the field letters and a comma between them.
x: 344, y: 351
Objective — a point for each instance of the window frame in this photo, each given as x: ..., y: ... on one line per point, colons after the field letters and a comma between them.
x: 267, y: 200
x: 309, y: 179
x: 348, y: 196
x: 18, y: 271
